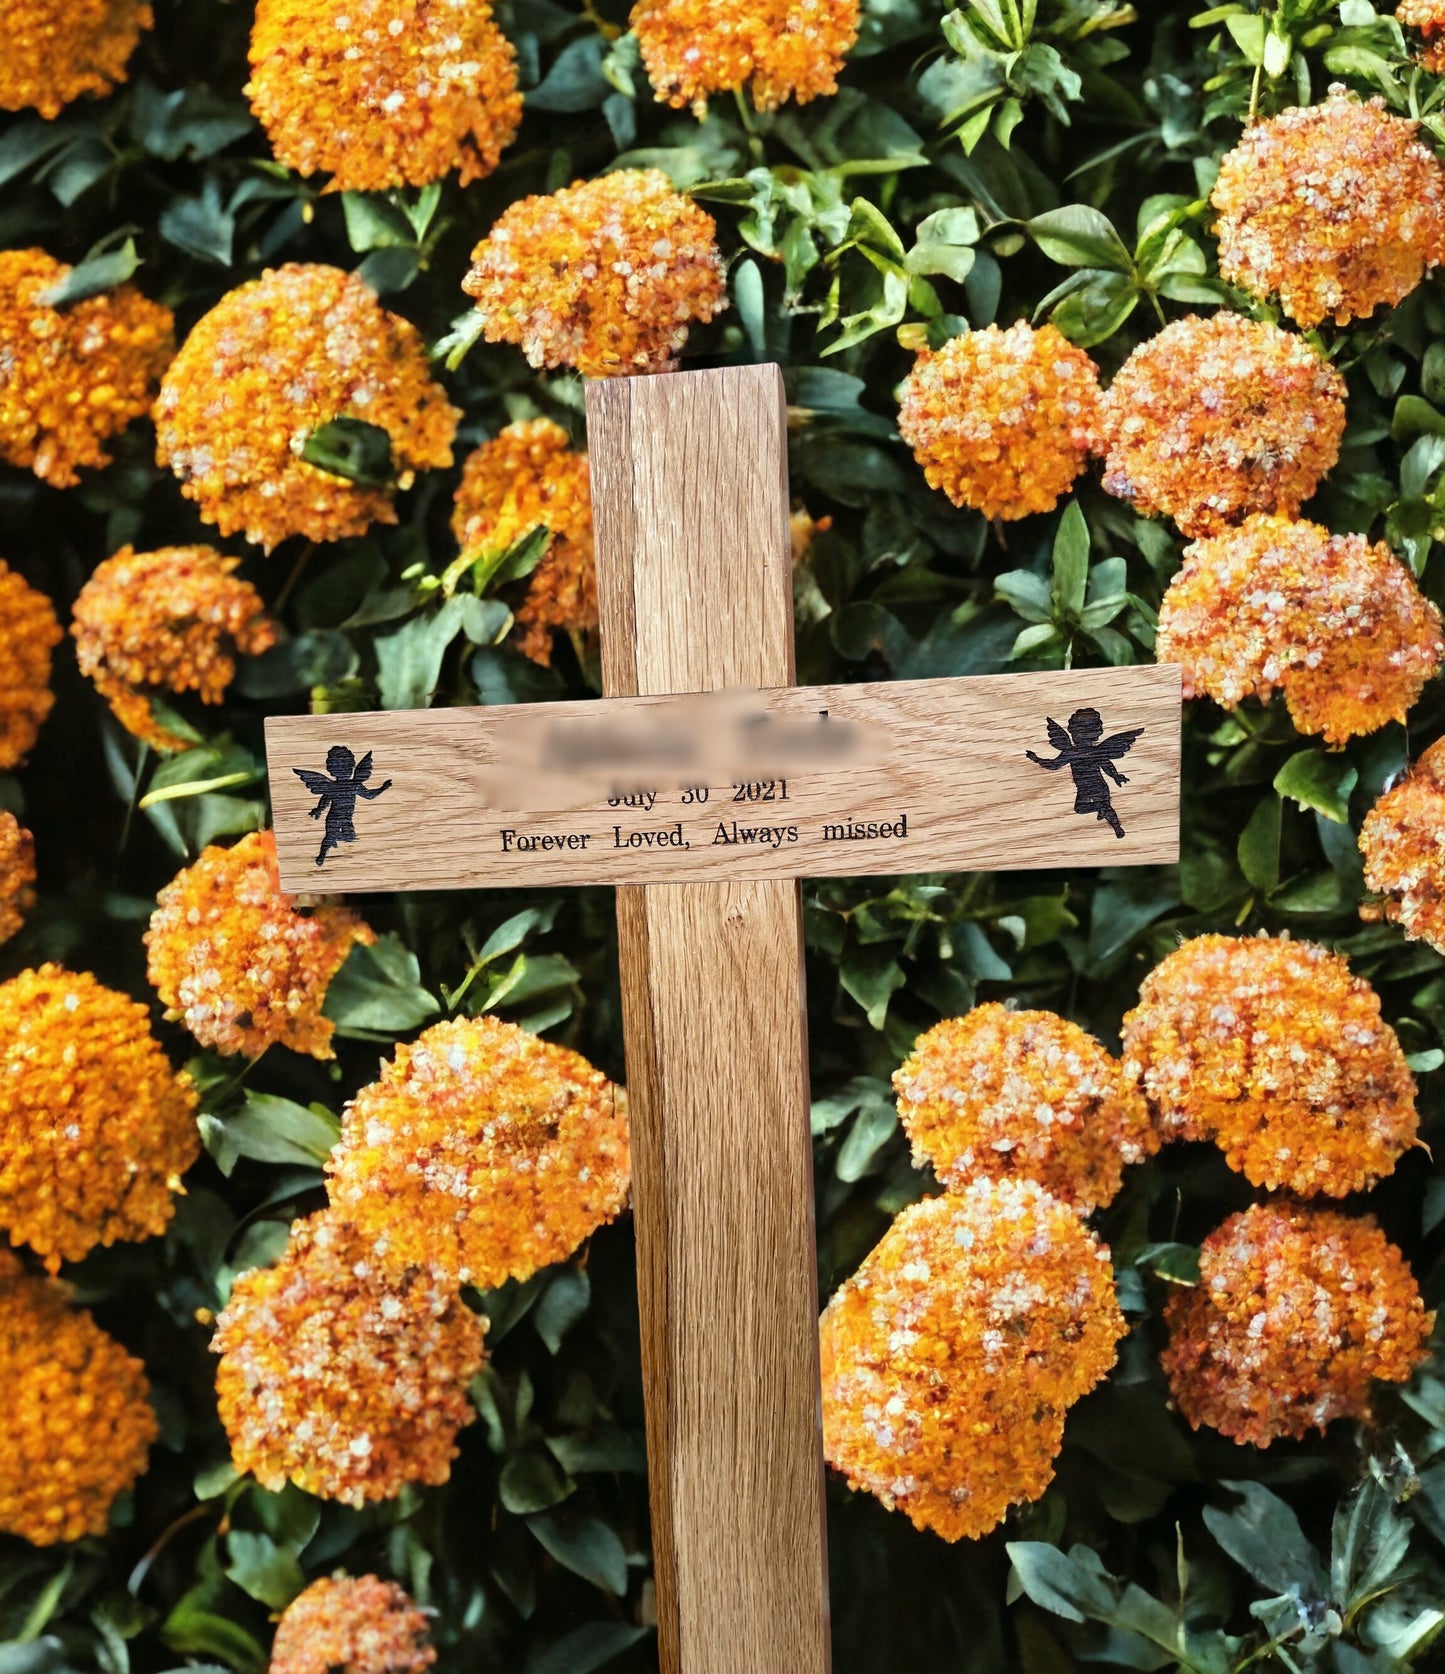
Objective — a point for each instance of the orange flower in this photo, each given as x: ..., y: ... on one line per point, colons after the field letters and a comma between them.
x: 952, y: 1354
x: 1336, y: 623
x: 780, y: 49
x: 17, y: 875
x: 1002, y: 421
x: 1334, y: 208
x: 346, y: 1378
x: 78, y: 1419
x: 55, y: 50
x: 1272, y: 1049
x: 1297, y: 1312
x: 275, y: 360
x: 28, y: 634
x: 74, y: 376
x: 1004, y: 1095
x: 176, y: 619
x: 483, y: 1149
x: 96, y: 1129
x: 238, y: 962
x: 1210, y: 420
x: 352, y: 1625
x: 605, y: 275
x: 528, y: 477
x: 1428, y: 16
x: 383, y: 93
x: 1403, y: 842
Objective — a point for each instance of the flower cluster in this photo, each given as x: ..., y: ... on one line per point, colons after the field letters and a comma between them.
x: 238, y: 962
x: 1334, y: 208
x: 1002, y: 1094
x: 1297, y: 1312
x: 1334, y: 621
x: 779, y: 49
x: 29, y: 632
x: 78, y: 1419
x: 173, y: 619
x: 347, y: 1624
x: 1428, y: 16
x: 57, y: 50
x: 483, y: 1149
x: 952, y: 1354
x: 272, y: 362
x: 17, y: 875
x: 96, y: 1128
x: 1210, y: 420
x: 1403, y: 842
x: 1271, y: 1048
x: 341, y: 1375
x: 1002, y: 420
x: 529, y: 477
x: 605, y: 275
x: 384, y: 93
x: 74, y: 376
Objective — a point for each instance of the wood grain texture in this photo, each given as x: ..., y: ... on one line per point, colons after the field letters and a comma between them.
x: 948, y: 754
x: 694, y: 579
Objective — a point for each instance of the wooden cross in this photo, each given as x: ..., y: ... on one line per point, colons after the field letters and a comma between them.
x: 706, y: 813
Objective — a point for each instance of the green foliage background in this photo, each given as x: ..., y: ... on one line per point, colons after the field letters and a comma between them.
x: 1001, y: 161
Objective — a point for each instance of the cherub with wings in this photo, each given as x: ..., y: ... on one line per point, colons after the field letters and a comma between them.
x: 339, y: 793
x: 1089, y: 756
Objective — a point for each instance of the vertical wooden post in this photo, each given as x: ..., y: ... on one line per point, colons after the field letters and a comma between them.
x: 689, y: 482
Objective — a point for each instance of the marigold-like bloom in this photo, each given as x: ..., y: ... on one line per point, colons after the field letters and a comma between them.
x: 341, y: 1375
x: 1336, y: 622
x: 346, y: 1624
x: 17, y: 875
x: 1210, y: 420
x: 56, y: 50
x: 952, y: 1354
x: 29, y: 632
x: 484, y: 1149
x: 175, y: 619
x: 605, y: 275
x: 96, y: 1128
x: 528, y: 477
x: 72, y: 377
x: 382, y: 93
x: 1001, y: 1095
x: 1271, y: 1048
x: 1297, y: 1312
x: 238, y: 962
x: 78, y: 1419
x: 1403, y: 842
x: 1002, y: 420
x: 779, y: 49
x: 1335, y: 208
x: 1428, y: 16
x: 273, y: 361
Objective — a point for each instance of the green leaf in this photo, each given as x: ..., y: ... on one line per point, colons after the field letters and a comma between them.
x: 350, y: 448
x: 1320, y: 781
x: 1079, y: 236
x: 1258, y: 846
x: 1070, y: 561
x: 576, y: 81
x: 1053, y: 1580
x: 872, y: 1128
x: 260, y: 1567
x: 192, y: 1629
x: 1029, y: 594
x: 532, y: 1481
x: 872, y: 978
x: 274, y: 1130
x: 378, y: 990
x: 38, y: 1656
x: 1264, y: 1537
x: 563, y: 1303
x: 92, y: 276
x: 1095, y: 308
x: 376, y: 222
x: 409, y: 661
x: 201, y: 226
x: 586, y: 1648
x: 586, y: 1546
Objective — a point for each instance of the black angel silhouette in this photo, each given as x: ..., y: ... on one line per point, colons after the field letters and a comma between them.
x: 338, y: 794
x: 1089, y: 756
